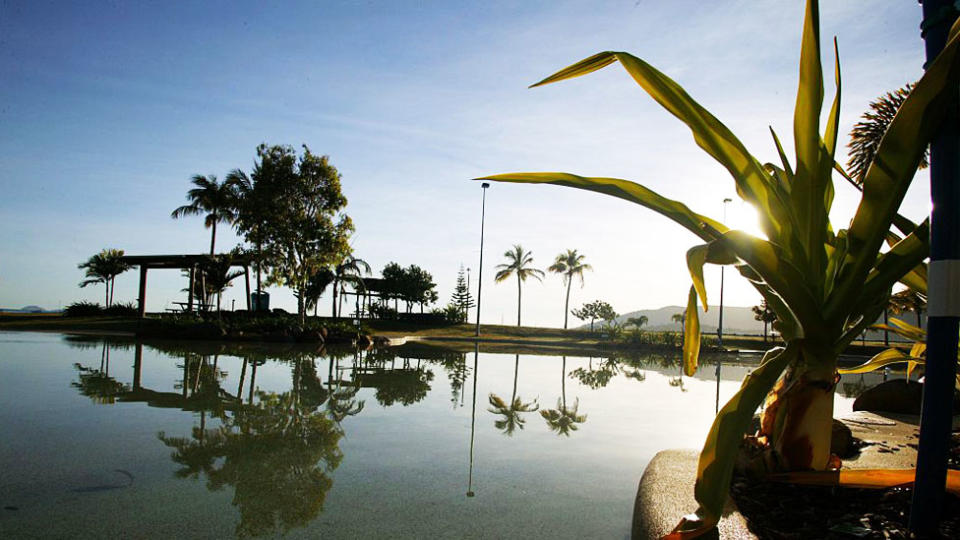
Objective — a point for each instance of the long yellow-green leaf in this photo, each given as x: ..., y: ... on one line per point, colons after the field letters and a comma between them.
x: 862, y: 478
x: 708, y: 132
x: 698, y: 256
x: 893, y: 265
x: 906, y: 329
x: 715, y: 466
x: 623, y: 189
x: 894, y: 166
x: 770, y: 262
x: 899, y: 331
x: 691, y: 335
x: 918, y: 350
x: 807, y: 192
x: 882, y: 359
x: 903, y: 224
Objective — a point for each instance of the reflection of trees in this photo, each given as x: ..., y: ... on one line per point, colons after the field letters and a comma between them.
x: 97, y: 384
x: 406, y: 386
x: 276, y: 454
x: 511, y: 412
x: 563, y: 419
x: 599, y: 377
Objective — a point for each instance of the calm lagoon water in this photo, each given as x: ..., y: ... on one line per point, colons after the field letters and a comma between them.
x: 194, y: 440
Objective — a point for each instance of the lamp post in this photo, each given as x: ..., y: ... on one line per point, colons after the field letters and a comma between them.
x: 483, y: 212
x: 720, y: 326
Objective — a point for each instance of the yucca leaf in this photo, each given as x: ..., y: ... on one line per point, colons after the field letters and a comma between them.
x: 880, y: 360
x: 708, y: 132
x: 691, y: 335
x: 623, y: 189
x: 893, y: 167
x: 908, y: 330
x: 698, y: 256
x: 893, y: 265
x: 715, y: 466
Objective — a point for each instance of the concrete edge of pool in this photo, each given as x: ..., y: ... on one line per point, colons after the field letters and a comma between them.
x: 665, y: 492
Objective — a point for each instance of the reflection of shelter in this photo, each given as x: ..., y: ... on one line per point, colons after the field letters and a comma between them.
x: 181, y: 262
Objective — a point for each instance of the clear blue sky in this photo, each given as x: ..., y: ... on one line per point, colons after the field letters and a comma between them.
x: 107, y: 110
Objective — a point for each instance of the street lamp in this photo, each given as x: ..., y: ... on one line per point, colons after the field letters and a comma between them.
x: 720, y: 326
x: 483, y: 211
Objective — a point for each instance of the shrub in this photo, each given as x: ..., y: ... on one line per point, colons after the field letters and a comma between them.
x: 122, y: 310
x: 83, y: 309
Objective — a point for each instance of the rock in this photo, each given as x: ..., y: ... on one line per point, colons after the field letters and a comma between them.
x: 841, y: 441
x: 897, y: 396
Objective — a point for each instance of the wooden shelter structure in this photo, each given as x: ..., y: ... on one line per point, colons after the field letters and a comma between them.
x: 371, y: 288
x: 181, y: 262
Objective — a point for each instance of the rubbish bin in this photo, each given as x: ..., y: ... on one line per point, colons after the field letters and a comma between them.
x: 260, y: 301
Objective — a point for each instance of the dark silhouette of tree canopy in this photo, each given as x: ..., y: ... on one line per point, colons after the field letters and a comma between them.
x: 518, y: 262
x: 598, y: 309
x: 412, y: 284
x: 104, y: 267
x: 637, y: 322
x: 764, y: 314
x: 867, y: 133
x: 217, y: 200
x: 349, y: 271
x: 569, y: 265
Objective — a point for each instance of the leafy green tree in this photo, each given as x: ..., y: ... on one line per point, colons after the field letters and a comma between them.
x: 316, y: 285
x: 104, y: 267
x: 462, y: 298
x: 215, y: 199
x: 592, y: 311
x: 518, y: 262
x: 511, y: 412
x: 569, y: 265
x: 305, y: 229
x: 412, y: 284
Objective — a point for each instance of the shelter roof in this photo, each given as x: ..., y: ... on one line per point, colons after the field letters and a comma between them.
x: 181, y: 261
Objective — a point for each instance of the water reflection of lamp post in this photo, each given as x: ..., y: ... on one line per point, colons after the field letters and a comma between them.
x: 483, y: 211
x: 473, y: 417
x: 716, y: 406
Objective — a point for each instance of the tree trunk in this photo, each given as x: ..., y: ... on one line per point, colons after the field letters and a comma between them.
x: 798, y: 419
x: 519, y: 293
x: 333, y: 308
x: 110, y: 303
x: 259, y: 257
x: 764, y: 331
x: 106, y: 293
x: 566, y: 306
x: 301, y: 309
x: 213, y: 236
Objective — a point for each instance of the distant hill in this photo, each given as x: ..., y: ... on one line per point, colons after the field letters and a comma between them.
x: 736, y: 320
x: 26, y: 309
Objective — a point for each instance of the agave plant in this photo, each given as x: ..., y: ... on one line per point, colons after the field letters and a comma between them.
x: 824, y: 285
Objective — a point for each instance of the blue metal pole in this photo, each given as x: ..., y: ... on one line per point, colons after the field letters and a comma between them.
x: 943, y: 313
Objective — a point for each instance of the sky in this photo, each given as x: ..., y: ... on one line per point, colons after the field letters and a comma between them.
x: 107, y: 109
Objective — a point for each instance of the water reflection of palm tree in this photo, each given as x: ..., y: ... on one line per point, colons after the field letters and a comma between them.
x: 511, y: 412
x: 564, y: 419
x: 97, y: 384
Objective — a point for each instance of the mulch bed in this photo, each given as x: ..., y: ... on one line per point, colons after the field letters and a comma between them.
x: 785, y: 511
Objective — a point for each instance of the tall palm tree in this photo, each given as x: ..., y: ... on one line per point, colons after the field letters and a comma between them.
x: 637, y: 322
x: 511, y: 412
x: 104, y: 267
x: 217, y: 200
x: 563, y: 419
x: 351, y: 270
x: 568, y: 265
x: 517, y: 263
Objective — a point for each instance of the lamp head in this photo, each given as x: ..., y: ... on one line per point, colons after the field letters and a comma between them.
x: 485, y: 185
x: 727, y: 200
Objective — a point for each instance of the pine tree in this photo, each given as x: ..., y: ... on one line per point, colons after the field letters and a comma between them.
x: 462, y: 298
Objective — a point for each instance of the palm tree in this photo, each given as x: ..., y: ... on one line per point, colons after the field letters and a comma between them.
x: 511, y: 411
x: 569, y: 264
x: 217, y: 275
x: 637, y: 321
x: 518, y: 259
x: 563, y: 420
x: 681, y: 319
x: 217, y: 200
x: 866, y: 134
x: 104, y: 267
x: 350, y: 270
